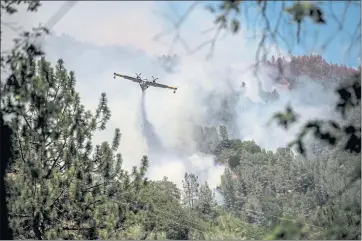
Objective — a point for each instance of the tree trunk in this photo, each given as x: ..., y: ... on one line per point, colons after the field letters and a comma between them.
x: 5, y: 143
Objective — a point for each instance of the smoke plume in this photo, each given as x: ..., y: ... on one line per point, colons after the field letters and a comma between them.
x: 162, y: 127
x: 148, y: 131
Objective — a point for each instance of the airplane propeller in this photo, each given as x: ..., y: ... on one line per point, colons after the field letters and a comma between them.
x: 138, y: 75
x: 153, y: 79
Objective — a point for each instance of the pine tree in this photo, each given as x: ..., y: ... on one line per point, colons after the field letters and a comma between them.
x: 225, y: 141
x: 206, y: 203
x: 190, y: 190
x: 165, y: 214
x: 21, y: 51
x: 228, y: 189
x: 60, y: 186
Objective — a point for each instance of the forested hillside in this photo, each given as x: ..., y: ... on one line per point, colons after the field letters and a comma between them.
x: 312, y: 66
x: 62, y: 186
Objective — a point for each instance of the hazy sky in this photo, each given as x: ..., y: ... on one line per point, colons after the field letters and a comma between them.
x: 96, y: 39
x: 135, y: 23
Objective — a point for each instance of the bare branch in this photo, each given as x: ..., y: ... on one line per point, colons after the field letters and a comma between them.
x: 12, y: 26
x: 211, y: 42
x: 176, y: 28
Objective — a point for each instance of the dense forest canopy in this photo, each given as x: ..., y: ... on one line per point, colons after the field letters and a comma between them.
x: 62, y: 185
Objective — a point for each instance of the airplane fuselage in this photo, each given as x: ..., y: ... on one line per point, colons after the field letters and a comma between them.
x: 143, y: 86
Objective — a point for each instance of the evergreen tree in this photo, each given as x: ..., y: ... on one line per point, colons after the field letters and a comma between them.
x: 60, y: 186
x: 227, y: 189
x: 225, y: 142
x: 190, y: 190
x: 206, y: 204
x: 19, y: 55
x: 161, y: 198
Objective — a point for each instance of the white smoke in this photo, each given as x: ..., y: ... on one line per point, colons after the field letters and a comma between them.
x: 202, y: 87
x: 166, y: 120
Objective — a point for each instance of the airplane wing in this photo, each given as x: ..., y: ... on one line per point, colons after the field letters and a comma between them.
x: 127, y: 77
x: 160, y: 85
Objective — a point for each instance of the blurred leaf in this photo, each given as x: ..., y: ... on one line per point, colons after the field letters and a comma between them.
x: 210, y: 8
x: 235, y: 25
